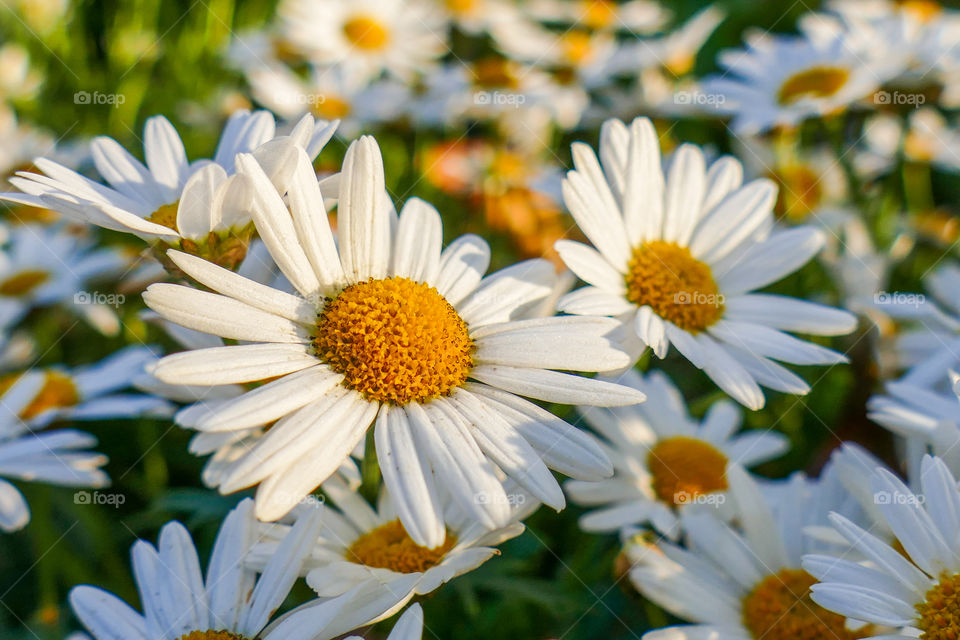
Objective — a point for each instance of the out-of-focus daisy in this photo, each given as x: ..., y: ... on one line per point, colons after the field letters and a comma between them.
x: 780, y: 81
x: 388, y: 329
x: 402, y: 37
x: 914, y: 588
x: 60, y: 457
x: 635, y: 16
x: 677, y: 254
x: 743, y: 584
x: 922, y: 37
x: 929, y: 345
x: 927, y: 138
x: 232, y: 601
x: 358, y: 543
x: 44, y: 266
x: 660, y: 71
x: 665, y: 460
x: 927, y: 419
x: 476, y: 16
x: 89, y: 392
x: 331, y: 93
x: 408, y: 627
x: 197, y: 206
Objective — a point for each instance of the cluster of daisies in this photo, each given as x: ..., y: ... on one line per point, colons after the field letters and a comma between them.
x: 388, y: 410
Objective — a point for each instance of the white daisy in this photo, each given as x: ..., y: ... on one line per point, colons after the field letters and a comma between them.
x: 635, y: 16
x: 169, y: 199
x: 232, y: 602
x: 780, y: 81
x: 358, y: 543
x: 927, y: 138
x: 914, y: 588
x: 679, y: 250
x: 743, y: 584
x: 929, y: 420
x: 89, y: 392
x: 929, y: 345
x: 664, y: 460
x: 388, y: 329
x: 59, y: 457
x: 923, y: 37
x: 45, y: 266
x: 402, y: 37
x: 408, y: 627
x: 332, y: 93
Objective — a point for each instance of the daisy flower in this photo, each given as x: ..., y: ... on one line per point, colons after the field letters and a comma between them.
x: 741, y: 584
x: 929, y: 346
x: 232, y: 601
x: 359, y: 543
x: 46, y: 266
x: 914, y: 588
x: 401, y: 37
x: 331, y: 93
x: 664, y: 460
x: 387, y: 329
x: 927, y: 419
x: 780, y: 81
x: 197, y: 206
x: 634, y: 16
x: 60, y: 457
x: 678, y: 252
x: 89, y: 392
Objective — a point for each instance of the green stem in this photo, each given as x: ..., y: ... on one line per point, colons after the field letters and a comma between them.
x: 370, y: 470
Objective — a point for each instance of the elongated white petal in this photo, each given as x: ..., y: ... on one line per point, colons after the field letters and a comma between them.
x: 233, y: 364
x: 553, y: 386
x: 363, y: 220
x: 220, y: 315
x: 245, y: 290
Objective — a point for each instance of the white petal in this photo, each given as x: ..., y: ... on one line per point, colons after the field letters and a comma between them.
x: 462, y: 265
x: 362, y: 213
x: 553, y: 386
x: 233, y: 364
x: 416, y: 247
x: 220, y: 315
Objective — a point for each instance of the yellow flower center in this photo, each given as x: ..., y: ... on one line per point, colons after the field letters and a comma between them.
x: 800, y: 191
x: 922, y: 10
x: 815, y: 82
x: 681, y: 63
x: 211, y: 634
x: 23, y: 283
x: 677, y: 286
x: 366, y: 32
x: 682, y: 468
x: 395, y: 341
x: 598, y: 14
x: 940, y: 610
x: 57, y: 391
x: 166, y: 216
x: 389, y: 547
x: 460, y: 7
x: 576, y: 46
x: 330, y: 108
x: 495, y: 73
x: 780, y: 608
